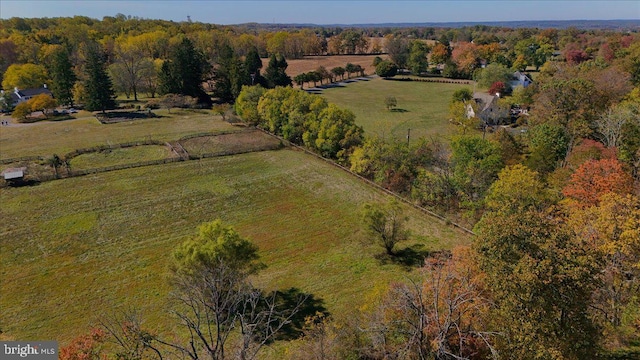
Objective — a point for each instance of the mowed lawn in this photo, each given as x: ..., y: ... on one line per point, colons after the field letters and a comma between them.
x: 422, y: 107
x: 48, y: 138
x: 76, y: 248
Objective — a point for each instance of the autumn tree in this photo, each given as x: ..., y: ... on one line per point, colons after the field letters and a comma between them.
x: 336, y: 133
x: 595, y: 178
x: 131, y: 62
x: 611, y: 231
x: 214, y: 298
x: 385, y: 224
x: 246, y: 105
x: 466, y: 57
x: 439, y: 54
x: 24, y: 76
x: 540, y: 278
x: 43, y: 103
x: 22, y: 111
x: 85, y: 347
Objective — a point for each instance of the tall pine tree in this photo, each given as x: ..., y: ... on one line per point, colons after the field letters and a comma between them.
x: 230, y: 74
x: 62, y: 77
x: 184, y: 72
x: 275, y: 73
x: 98, y: 85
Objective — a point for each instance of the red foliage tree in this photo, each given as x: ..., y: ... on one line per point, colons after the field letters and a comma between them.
x: 85, y: 347
x: 589, y: 150
x: 576, y: 56
x: 595, y: 178
x: 497, y: 87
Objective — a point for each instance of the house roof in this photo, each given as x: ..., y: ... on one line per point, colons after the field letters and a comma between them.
x: 34, y: 92
x: 13, y: 173
x: 485, y: 99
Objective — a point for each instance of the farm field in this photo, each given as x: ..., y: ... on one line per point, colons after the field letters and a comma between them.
x: 112, y: 157
x: 311, y: 63
x: 422, y: 107
x: 77, y: 247
x: 47, y: 138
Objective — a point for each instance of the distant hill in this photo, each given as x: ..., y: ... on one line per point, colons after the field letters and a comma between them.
x: 623, y: 25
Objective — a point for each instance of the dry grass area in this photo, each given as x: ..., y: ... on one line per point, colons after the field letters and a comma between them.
x: 236, y: 143
x: 310, y: 63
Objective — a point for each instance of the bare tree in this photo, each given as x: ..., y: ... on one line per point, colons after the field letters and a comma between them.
x: 126, y: 332
x: 610, y: 124
x: 440, y: 316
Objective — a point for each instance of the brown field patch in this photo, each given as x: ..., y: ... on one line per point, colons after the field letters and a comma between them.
x: 235, y: 143
x: 310, y: 63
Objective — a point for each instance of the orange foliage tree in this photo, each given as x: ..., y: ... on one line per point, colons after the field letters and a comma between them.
x: 85, y: 347
x: 595, y: 178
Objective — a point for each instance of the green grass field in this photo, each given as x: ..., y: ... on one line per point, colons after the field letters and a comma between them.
x: 422, y: 107
x: 120, y: 156
x: 75, y: 248
x: 47, y: 138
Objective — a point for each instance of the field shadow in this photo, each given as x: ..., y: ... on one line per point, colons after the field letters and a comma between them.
x: 286, y: 300
x: 409, y: 257
x: 398, y: 110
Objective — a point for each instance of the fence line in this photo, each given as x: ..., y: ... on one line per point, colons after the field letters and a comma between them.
x: 435, y: 80
x: 20, y: 159
x: 371, y: 183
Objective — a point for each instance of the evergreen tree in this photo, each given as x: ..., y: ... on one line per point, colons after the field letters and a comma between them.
x: 168, y: 84
x: 230, y: 74
x: 98, y: 86
x: 62, y: 76
x: 184, y: 72
x: 253, y: 64
x: 275, y: 73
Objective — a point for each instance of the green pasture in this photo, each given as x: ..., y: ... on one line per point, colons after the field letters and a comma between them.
x: 76, y: 248
x: 120, y: 156
x: 422, y: 107
x: 47, y: 138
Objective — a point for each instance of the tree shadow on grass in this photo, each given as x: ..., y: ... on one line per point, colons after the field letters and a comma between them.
x: 287, y: 300
x: 398, y: 110
x: 410, y: 257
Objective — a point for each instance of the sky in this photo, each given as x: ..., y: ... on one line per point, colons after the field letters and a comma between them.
x: 226, y: 12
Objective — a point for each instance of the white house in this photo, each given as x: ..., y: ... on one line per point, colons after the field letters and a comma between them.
x: 520, y: 79
x: 18, y: 96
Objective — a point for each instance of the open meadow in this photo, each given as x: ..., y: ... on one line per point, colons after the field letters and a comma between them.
x: 46, y: 138
x: 422, y: 107
x: 76, y: 248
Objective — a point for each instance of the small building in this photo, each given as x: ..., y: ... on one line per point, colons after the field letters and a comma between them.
x: 13, y: 175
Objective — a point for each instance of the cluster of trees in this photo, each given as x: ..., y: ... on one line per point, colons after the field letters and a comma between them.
x: 321, y: 74
x: 302, y: 119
